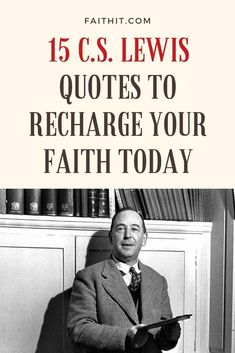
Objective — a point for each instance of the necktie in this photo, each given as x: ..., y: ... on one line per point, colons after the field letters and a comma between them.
x: 135, y: 280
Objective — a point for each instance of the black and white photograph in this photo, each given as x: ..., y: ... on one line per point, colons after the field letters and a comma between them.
x: 87, y: 270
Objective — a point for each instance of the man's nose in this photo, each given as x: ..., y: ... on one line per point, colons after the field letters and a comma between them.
x: 127, y: 233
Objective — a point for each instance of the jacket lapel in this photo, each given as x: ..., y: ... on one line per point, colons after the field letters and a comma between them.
x: 115, y: 286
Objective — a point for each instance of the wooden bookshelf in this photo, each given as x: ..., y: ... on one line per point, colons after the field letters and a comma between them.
x: 155, y: 204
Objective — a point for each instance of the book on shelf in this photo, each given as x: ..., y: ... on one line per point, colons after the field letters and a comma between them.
x: 128, y: 197
x: 137, y: 204
x: 163, y: 199
x: 33, y: 202
x: 207, y: 205
x: 77, y: 198
x: 204, y: 205
x: 180, y: 206
x: 93, y: 203
x: 123, y: 197
x: 3, y: 207
x: 49, y: 202
x: 192, y: 202
x: 15, y: 201
x: 172, y: 205
x: 103, y: 203
x: 84, y: 202
x: 200, y: 205
x: 119, y: 199
x: 65, y: 204
x: 188, y: 204
x: 111, y: 202
x: 149, y: 203
x: 168, y: 205
x: 143, y: 203
x: 153, y: 204
x: 157, y: 204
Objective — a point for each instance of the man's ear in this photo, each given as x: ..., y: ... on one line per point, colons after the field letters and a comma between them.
x: 110, y: 237
x: 145, y: 237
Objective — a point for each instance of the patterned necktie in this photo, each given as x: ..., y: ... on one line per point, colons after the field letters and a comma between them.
x: 135, y: 280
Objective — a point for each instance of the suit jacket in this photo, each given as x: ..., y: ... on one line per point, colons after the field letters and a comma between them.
x: 102, y: 309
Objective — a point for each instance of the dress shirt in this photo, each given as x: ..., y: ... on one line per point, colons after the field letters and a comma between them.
x: 126, y: 269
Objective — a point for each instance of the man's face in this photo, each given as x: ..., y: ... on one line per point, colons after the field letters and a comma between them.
x: 127, y: 236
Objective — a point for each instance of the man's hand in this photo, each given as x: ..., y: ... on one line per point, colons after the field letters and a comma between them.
x: 136, y: 338
x: 171, y: 332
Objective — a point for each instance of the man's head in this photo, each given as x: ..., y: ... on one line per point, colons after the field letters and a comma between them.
x: 127, y: 235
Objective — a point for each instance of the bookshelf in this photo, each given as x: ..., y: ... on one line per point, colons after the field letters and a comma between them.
x: 42, y: 254
x: 153, y: 204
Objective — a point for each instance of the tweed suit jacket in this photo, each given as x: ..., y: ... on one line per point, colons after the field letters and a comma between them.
x: 102, y: 309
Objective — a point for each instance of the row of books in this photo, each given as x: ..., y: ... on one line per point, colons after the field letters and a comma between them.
x: 154, y: 204
x: 55, y: 202
x: 168, y: 204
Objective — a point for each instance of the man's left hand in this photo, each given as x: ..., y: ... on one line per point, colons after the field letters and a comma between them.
x: 172, y: 331
x: 137, y: 338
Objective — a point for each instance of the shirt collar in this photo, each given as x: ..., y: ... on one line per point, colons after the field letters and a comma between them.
x: 124, y: 267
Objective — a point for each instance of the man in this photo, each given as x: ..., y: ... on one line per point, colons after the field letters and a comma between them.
x: 111, y: 300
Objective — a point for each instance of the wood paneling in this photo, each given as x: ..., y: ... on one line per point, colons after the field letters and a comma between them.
x: 33, y: 272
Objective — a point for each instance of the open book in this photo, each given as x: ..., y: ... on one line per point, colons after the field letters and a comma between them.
x: 166, y: 322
